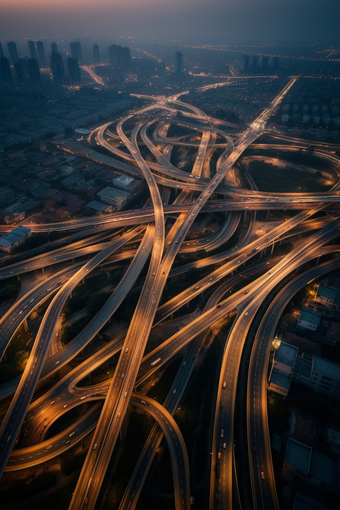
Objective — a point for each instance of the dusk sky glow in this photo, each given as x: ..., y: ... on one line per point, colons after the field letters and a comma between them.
x: 291, y: 18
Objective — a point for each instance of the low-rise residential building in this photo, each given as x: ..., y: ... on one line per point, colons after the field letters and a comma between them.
x: 5, y: 194
x: 282, y: 369
x: 127, y: 183
x: 113, y: 196
x: 99, y: 207
x: 318, y: 374
x: 326, y: 296
x: 14, y: 239
x: 309, y: 319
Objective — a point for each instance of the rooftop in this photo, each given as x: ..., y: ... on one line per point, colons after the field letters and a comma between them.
x: 298, y: 454
x: 280, y: 379
x: 323, y: 468
x: 310, y: 316
x: 286, y: 354
x: 123, y: 179
x: 327, y: 292
x: 324, y: 366
x: 303, y: 502
x: 303, y: 366
x: 14, y: 236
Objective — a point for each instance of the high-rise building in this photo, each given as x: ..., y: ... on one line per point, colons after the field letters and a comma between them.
x: 21, y: 70
x: 32, y: 48
x: 1, y: 51
x: 178, y: 62
x: 76, y: 50
x: 13, y: 52
x: 275, y: 63
x: 58, y: 70
x: 41, y: 53
x: 114, y: 55
x: 54, y: 47
x: 74, y: 74
x: 126, y: 58
x: 96, y: 58
x: 255, y: 62
x: 265, y: 62
x: 34, y: 75
x: 5, y: 72
x: 244, y: 63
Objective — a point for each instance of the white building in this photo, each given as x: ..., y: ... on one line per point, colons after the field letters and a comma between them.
x: 309, y: 319
x: 127, y: 183
x: 113, y: 196
x: 14, y: 239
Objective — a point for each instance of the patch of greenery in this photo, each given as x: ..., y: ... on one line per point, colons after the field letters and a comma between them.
x: 9, y: 291
x: 289, y: 179
x: 25, y: 489
x: 72, y: 463
x: 71, y: 331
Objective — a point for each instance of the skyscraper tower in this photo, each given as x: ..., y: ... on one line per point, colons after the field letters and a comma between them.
x: 13, y: 52
x: 5, y: 72
x: 113, y: 56
x: 95, y: 49
x: 21, y: 70
x: 54, y: 47
x: 178, y: 62
x: 126, y: 58
x: 74, y: 75
x: 33, y: 51
x: 244, y: 63
x: 265, y: 62
x: 34, y: 75
x: 76, y: 50
x: 58, y: 70
x: 41, y: 53
x: 275, y: 63
x: 1, y: 51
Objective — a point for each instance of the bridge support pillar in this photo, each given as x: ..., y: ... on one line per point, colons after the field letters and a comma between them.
x: 26, y: 326
x: 271, y: 251
x: 18, y: 277
x: 255, y: 215
x: 267, y: 215
x: 43, y: 270
x: 83, y: 281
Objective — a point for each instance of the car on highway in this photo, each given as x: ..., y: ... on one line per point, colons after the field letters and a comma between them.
x: 222, y: 433
x: 224, y: 445
x: 72, y: 434
x: 86, y: 500
x: 48, y: 447
x: 262, y: 475
x: 53, y: 401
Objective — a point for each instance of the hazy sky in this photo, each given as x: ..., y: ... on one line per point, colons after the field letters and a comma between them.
x: 61, y: 18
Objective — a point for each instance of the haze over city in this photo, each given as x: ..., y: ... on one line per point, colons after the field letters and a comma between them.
x: 288, y: 19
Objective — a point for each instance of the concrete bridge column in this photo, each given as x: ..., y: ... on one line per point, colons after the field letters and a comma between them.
x: 26, y: 325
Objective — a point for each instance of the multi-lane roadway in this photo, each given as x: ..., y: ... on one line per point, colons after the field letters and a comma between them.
x: 163, y: 233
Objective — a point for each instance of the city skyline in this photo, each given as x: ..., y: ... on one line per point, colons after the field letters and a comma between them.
x: 244, y: 18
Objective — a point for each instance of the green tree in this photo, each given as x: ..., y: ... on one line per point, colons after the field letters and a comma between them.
x: 20, y: 361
